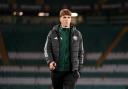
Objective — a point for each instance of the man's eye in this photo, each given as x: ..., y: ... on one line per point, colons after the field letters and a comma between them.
x: 66, y: 17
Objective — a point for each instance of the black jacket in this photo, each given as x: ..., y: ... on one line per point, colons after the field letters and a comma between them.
x: 51, y: 49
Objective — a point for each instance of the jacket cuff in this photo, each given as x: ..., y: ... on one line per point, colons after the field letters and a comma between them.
x: 80, y: 67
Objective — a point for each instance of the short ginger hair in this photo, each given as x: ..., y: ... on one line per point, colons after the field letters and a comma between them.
x: 65, y: 12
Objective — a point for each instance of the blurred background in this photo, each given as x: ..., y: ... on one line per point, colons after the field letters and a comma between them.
x: 24, y: 25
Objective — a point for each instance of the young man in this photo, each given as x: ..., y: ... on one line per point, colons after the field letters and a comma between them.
x: 64, y: 52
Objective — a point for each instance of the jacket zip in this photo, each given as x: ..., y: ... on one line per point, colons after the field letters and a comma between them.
x: 58, y: 36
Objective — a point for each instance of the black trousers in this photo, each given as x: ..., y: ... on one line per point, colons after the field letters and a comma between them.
x: 63, y: 80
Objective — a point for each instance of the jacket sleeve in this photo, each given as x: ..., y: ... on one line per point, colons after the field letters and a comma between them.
x: 81, y: 52
x: 48, y: 49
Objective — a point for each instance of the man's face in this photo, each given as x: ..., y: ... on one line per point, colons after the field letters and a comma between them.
x: 65, y: 20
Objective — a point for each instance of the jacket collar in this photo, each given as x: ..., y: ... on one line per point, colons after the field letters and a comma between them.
x: 57, y: 26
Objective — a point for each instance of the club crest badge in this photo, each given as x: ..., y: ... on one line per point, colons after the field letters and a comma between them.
x: 75, y: 37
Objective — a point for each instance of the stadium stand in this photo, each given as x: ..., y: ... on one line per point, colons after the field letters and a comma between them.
x: 27, y: 68
x: 24, y: 38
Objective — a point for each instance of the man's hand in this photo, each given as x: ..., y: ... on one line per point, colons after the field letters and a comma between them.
x: 52, y: 65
